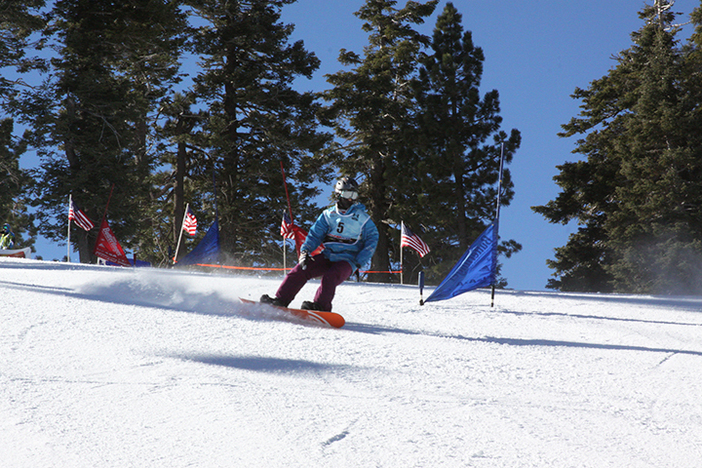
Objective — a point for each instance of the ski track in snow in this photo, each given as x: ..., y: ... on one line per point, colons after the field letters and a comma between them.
x: 111, y: 367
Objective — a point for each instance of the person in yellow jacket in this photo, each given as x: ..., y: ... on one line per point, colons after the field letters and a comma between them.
x: 7, y: 237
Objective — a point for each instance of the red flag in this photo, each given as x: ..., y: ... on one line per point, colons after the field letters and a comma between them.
x: 78, y: 217
x: 411, y: 240
x: 299, y: 235
x: 190, y: 223
x: 108, y: 248
x: 289, y: 231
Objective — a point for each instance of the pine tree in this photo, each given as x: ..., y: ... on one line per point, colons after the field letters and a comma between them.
x: 588, y: 190
x: 91, y: 119
x: 158, y: 33
x: 19, y: 23
x: 637, y: 193
x: 372, y: 106
x: 180, y: 155
x: 256, y: 121
x: 15, y: 185
x: 459, y: 166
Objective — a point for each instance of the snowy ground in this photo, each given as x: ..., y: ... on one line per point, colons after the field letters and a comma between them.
x: 109, y: 367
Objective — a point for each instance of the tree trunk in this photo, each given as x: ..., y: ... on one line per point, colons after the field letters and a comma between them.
x: 84, y: 252
x: 379, y: 209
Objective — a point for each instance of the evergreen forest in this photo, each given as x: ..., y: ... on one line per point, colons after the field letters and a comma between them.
x: 96, y: 89
x: 636, y: 191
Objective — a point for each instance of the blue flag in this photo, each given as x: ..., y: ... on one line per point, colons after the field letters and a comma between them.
x: 476, y: 269
x: 207, y: 251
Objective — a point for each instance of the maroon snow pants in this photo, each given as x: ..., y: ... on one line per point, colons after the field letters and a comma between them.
x: 332, y: 273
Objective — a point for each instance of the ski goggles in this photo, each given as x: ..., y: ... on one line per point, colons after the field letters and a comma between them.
x: 348, y: 194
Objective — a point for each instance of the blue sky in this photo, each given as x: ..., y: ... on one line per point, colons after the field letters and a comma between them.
x: 536, y: 53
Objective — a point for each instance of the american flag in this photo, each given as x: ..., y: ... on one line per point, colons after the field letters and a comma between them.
x: 190, y: 222
x: 411, y: 240
x: 287, y: 228
x: 78, y: 217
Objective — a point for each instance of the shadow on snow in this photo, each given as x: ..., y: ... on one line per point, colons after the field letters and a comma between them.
x: 262, y: 364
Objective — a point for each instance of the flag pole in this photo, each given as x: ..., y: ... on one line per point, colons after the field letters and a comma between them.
x: 420, y: 280
x: 108, y: 203
x: 287, y: 197
x: 285, y: 266
x: 497, y: 211
x: 402, y: 269
x: 104, y: 216
x: 68, y: 244
x: 180, y: 236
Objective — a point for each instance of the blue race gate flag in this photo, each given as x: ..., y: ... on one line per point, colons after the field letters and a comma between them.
x: 476, y: 269
x: 207, y: 251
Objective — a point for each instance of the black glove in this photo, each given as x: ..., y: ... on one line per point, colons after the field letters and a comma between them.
x: 305, y: 259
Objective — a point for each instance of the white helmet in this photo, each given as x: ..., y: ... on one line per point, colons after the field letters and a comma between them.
x: 347, y: 188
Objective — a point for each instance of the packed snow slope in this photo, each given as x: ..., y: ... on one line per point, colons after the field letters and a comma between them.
x: 113, y: 367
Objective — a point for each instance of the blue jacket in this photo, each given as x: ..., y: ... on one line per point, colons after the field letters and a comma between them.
x: 350, y: 236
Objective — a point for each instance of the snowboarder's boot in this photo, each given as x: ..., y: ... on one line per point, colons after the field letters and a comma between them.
x: 266, y: 299
x: 309, y: 305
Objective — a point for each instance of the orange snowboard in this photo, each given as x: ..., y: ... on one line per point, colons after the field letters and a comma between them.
x: 323, y: 318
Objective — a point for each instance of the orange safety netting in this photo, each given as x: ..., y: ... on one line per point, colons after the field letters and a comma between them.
x: 229, y: 267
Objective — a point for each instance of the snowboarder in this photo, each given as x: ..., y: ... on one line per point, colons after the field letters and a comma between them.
x: 7, y: 237
x: 349, y: 238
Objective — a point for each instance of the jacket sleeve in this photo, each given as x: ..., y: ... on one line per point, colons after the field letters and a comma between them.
x: 316, y: 235
x: 370, y: 242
